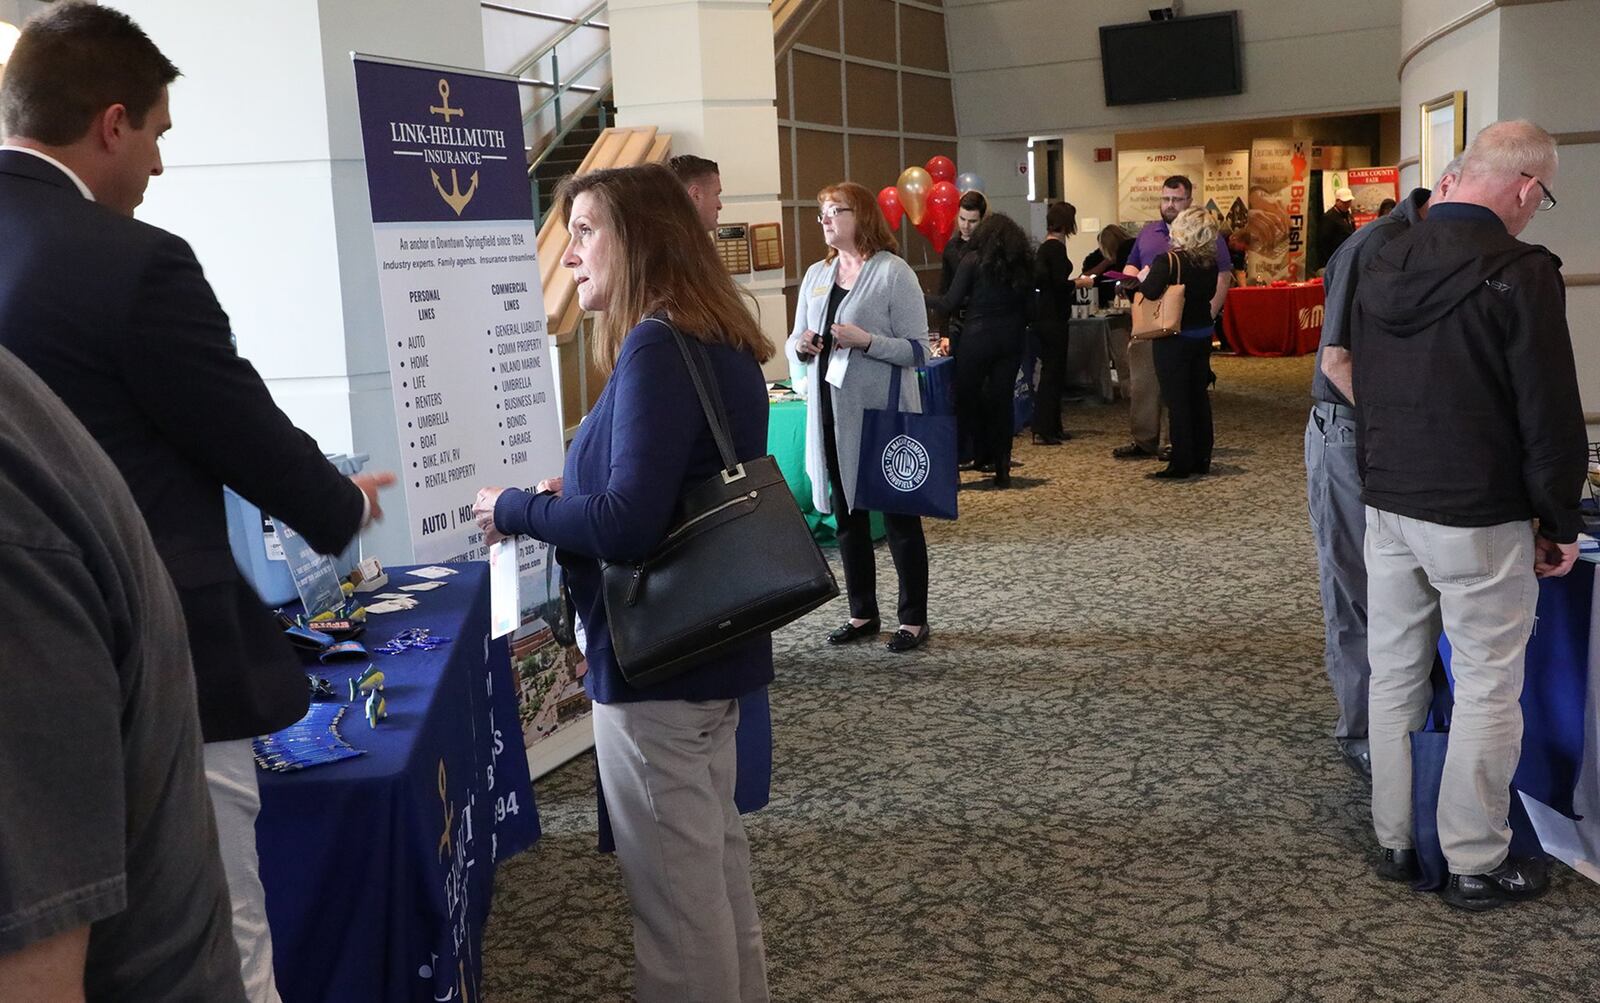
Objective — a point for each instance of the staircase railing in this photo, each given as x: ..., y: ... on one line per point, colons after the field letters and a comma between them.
x: 571, y: 93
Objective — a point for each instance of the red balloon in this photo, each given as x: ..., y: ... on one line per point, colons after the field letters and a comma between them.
x: 937, y: 229
x: 944, y: 201
x: 889, y: 202
x: 942, y: 168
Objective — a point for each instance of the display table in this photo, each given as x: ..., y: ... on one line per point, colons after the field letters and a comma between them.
x: 786, y: 441
x: 1274, y: 320
x: 379, y: 869
x: 1559, y: 772
x: 1092, y: 342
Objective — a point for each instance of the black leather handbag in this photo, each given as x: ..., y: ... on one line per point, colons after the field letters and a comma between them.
x: 738, y: 560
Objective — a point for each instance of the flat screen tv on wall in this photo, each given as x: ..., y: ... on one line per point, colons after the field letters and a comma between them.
x: 1172, y: 60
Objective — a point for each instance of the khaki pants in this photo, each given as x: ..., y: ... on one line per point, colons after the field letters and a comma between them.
x: 1144, y: 395
x: 667, y: 768
x: 236, y: 800
x: 1477, y: 584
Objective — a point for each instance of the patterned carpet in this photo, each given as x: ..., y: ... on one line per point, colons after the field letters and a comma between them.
x: 1107, y: 778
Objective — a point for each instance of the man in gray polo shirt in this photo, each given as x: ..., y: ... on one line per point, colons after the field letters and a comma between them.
x: 111, y: 887
x: 1333, y: 487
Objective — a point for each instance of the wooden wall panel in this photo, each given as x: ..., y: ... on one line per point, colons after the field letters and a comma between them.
x: 869, y: 29
x: 874, y: 101
x: 782, y: 74
x: 922, y: 39
x: 811, y: 246
x: 929, y: 104
x: 875, y: 160
x: 821, y: 161
x: 822, y: 31
x: 818, y: 93
x: 785, y: 163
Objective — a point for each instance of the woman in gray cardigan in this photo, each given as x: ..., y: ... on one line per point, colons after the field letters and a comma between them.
x: 860, y: 314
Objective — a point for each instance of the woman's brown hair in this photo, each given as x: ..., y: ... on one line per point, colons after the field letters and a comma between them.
x: 666, y: 263
x: 872, y: 230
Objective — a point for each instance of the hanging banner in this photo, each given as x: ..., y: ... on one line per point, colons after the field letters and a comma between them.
x: 1141, y: 172
x: 469, y: 361
x: 463, y: 312
x: 1227, y: 188
x: 1275, y: 231
x: 1369, y: 185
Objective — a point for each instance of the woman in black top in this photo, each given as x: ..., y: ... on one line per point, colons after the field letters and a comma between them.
x: 1052, y: 276
x: 1110, y: 256
x: 995, y: 284
x: 1183, y: 365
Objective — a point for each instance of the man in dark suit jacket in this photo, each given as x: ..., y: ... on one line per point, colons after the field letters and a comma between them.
x: 117, y: 318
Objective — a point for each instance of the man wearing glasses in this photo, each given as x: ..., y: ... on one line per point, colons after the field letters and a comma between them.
x: 1472, y: 447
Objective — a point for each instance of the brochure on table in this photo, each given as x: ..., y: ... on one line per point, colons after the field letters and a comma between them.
x: 464, y: 322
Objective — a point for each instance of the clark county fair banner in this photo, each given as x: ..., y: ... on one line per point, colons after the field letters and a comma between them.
x: 1141, y: 172
x: 1275, y: 231
x: 1369, y: 185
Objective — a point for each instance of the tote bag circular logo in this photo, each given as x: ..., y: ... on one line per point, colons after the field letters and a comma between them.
x: 905, y: 463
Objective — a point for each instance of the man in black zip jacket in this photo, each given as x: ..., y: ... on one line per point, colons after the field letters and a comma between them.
x: 1472, y: 448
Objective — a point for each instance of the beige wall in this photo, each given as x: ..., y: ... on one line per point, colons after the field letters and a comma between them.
x: 1533, y: 60
x: 1033, y: 66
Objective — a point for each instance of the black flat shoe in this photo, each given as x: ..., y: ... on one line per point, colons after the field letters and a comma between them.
x: 1132, y: 451
x: 1397, y: 865
x: 1002, y: 479
x: 903, y: 640
x: 848, y: 632
x: 1046, y: 440
x: 1167, y: 475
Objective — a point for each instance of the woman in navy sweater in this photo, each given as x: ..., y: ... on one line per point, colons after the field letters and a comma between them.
x: 666, y: 752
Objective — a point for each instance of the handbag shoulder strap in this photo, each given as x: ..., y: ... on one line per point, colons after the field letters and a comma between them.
x: 1177, y: 269
x: 710, y: 400
x: 918, y: 352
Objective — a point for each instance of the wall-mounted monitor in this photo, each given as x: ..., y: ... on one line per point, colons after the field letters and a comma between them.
x: 1172, y: 60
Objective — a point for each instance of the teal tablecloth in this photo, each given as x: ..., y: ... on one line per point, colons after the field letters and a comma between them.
x: 786, y: 441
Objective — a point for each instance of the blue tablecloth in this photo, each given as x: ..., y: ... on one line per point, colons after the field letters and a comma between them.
x: 1555, y: 690
x: 379, y: 869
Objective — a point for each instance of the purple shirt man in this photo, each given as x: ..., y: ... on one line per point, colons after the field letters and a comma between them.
x: 1156, y: 239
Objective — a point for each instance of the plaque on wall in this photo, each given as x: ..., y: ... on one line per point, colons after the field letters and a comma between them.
x: 733, y: 247
x: 766, y: 245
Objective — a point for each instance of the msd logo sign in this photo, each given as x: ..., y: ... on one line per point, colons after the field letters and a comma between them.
x: 1310, y: 317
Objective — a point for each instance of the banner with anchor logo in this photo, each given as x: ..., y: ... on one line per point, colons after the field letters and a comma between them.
x: 463, y: 308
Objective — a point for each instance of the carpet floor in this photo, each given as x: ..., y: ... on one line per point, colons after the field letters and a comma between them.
x: 1108, y: 777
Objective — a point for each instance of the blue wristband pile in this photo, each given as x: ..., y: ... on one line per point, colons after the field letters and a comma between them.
x: 311, y: 741
x: 412, y: 639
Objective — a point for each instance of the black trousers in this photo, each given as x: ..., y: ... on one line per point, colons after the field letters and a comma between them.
x: 986, y: 382
x: 1183, y: 368
x: 907, y: 546
x: 1052, y: 343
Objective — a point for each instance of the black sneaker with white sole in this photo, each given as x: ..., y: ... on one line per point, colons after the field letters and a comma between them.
x: 1515, y: 880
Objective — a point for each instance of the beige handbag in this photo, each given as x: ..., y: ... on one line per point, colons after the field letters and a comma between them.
x: 1163, y: 317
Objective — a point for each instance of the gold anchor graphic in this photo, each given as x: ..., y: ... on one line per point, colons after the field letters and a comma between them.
x: 443, y: 108
x: 455, y: 198
x: 449, y: 815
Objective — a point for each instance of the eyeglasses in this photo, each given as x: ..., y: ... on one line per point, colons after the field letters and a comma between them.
x: 1549, y: 201
x: 832, y: 211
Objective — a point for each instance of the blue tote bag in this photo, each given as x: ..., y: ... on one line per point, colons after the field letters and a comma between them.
x: 908, y: 461
x: 1428, y: 750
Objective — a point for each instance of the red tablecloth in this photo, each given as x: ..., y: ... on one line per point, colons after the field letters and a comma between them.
x: 1274, y: 320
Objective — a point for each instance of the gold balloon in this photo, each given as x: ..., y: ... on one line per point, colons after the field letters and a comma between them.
x: 913, y: 187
